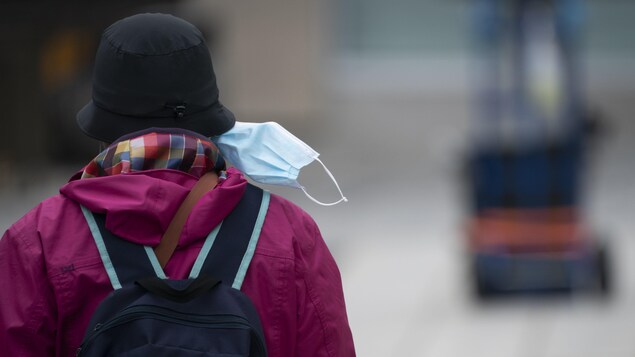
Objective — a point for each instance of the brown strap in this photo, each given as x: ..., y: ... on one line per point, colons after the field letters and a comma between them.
x: 170, y: 238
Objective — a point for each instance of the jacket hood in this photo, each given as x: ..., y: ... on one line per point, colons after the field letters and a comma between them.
x: 139, y: 206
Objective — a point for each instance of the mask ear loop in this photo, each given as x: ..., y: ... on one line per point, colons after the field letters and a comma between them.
x: 336, y: 185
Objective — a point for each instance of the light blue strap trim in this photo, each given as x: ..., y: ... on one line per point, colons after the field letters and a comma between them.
x: 155, y: 263
x: 202, y: 255
x: 253, y: 241
x: 101, y: 246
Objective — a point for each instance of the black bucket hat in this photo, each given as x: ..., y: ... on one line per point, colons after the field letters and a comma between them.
x: 153, y: 70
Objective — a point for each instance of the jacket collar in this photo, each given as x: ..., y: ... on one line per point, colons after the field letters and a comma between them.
x: 139, y: 206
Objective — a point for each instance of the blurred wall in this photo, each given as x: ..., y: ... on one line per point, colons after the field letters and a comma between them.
x: 267, y: 54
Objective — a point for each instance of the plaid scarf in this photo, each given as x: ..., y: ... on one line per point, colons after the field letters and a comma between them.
x: 154, y: 151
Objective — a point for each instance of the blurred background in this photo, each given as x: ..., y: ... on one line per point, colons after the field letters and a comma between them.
x: 390, y: 94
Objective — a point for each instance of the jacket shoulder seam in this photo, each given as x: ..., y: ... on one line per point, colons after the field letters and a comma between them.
x: 273, y: 255
x: 320, y: 314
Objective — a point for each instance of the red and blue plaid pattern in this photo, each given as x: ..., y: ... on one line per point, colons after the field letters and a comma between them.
x: 155, y: 151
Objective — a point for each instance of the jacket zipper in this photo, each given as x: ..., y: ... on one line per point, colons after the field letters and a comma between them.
x: 153, y: 312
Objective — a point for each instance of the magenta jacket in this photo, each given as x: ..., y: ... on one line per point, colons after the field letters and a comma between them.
x: 52, y: 278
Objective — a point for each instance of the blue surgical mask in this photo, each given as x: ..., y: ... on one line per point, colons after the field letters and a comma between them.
x: 269, y: 154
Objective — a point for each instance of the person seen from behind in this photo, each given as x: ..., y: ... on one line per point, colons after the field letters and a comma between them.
x: 155, y: 102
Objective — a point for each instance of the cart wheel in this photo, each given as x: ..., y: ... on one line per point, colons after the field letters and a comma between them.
x: 603, y: 270
x: 480, y: 289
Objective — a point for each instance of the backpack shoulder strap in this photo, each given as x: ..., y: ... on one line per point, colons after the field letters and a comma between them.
x: 124, y: 261
x: 228, y: 250
x: 226, y: 253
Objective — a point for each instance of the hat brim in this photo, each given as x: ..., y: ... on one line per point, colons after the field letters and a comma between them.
x: 106, y: 126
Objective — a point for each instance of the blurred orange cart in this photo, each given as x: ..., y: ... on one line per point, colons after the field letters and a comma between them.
x: 526, y: 232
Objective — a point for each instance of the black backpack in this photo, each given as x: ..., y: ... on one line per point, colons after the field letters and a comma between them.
x: 205, y: 315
